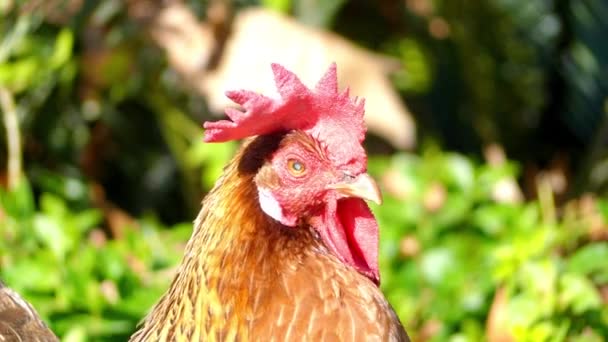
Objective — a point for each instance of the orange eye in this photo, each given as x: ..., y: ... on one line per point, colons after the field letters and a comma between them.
x: 296, y: 167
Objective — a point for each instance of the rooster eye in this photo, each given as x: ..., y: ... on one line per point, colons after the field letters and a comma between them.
x: 296, y: 167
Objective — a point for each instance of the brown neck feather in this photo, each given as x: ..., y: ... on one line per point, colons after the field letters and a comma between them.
x: 234, y: 249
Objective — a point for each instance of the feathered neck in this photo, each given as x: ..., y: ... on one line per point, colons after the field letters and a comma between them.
x: 232, y: 237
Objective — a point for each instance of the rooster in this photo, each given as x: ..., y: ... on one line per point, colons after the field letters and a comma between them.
x: 285, y: 247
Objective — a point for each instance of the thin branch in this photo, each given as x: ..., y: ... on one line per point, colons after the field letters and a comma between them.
x: 13, y: 136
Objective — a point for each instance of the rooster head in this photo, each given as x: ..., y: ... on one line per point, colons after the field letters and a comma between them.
x: 317, y: 173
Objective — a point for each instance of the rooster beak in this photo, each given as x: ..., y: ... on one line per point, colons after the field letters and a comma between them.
x: 363, y: 186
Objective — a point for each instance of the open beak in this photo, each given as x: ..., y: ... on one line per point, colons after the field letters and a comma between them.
x: 363, y: 186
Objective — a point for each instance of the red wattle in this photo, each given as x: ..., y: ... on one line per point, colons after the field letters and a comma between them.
x: 350, y: 231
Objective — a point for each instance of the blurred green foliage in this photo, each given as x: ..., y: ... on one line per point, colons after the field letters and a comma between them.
x: 449, y: 247
x: 85, y: 286
x: 114, y: 163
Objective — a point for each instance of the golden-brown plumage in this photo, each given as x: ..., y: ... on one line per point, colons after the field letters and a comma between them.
x: 246, y: 277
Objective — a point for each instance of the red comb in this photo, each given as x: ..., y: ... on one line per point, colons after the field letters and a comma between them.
x: 331, y: 117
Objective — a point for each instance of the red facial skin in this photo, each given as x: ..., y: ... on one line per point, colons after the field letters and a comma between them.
x: 295, y: 187
x: 299, y: 193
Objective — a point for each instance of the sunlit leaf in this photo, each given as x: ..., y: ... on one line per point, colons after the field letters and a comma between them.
x: 52, y: 235
x: 436, y: 265
x: 277, y: 5
x: 590, y: 259
x: 62, y: 51
x: 578, y: 293
x: 19, y: 75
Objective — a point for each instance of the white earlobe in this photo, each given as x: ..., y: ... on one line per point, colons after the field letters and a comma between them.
x: 272, y: 208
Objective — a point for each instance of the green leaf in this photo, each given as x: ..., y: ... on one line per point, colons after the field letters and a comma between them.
x: 603, y: 205
x: 75, y: 334
x: 578, y: 293
x: 111, y: 263
x: 62, y: 51
x: 436, y: 264
x: 491, y: 219
x: 523, y: 311
x: 212, y: 157
x: 52, y: 235
x: 590, y: 259
x: 95, y: 326
x: 133, y: 304
x: 19, y: 75
x: 38, y: 274
x: 416, y: 76
x: 18, y: 202
x: 460, y: 171
x: 53, y: 206
x: 86, y: 220
x: 538, y: 279
x: 541, y: 331
x: 282, y: 6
